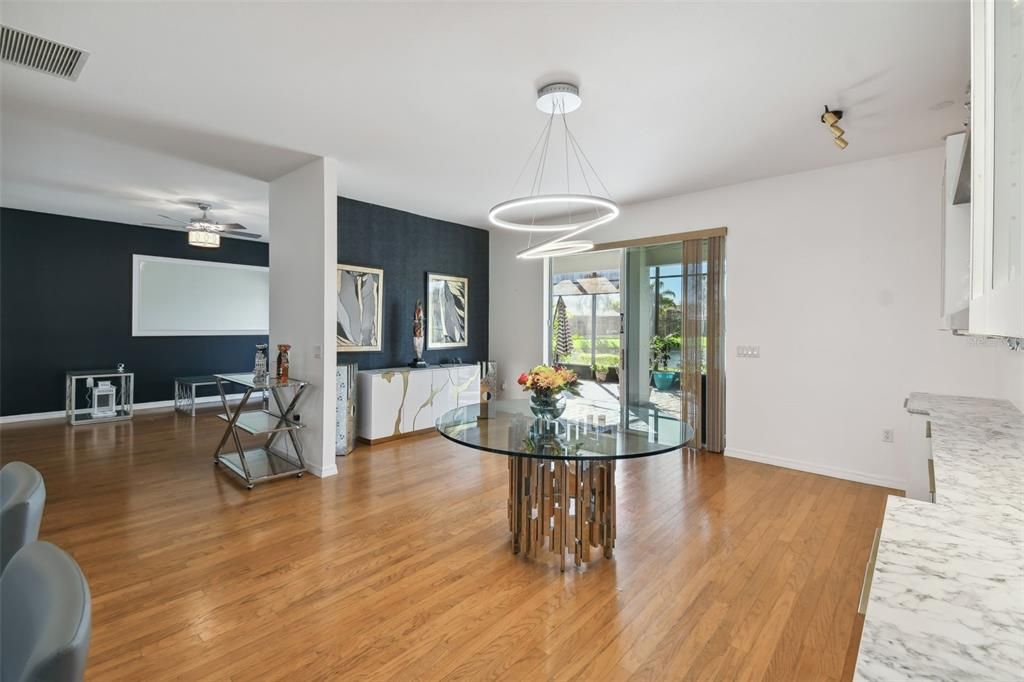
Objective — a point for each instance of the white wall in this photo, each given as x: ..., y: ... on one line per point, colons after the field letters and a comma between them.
x: 303, y: 251
x: 835, y: 275
x: 516, y: 314
x: 1013, y: 379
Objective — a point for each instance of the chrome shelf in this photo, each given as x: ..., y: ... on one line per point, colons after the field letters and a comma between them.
x: 262, y: 421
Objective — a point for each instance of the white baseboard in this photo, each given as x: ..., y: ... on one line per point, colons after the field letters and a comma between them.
x: 821, y: 469
x: 322, y: 472
x: 60, y: 414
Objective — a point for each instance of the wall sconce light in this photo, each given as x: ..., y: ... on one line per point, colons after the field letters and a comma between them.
x: 831, y: 119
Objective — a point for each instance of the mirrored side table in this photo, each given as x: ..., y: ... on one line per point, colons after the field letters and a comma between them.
x: 268, y: 461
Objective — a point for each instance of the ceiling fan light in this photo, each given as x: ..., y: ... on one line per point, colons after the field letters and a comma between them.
x: 204, y: 240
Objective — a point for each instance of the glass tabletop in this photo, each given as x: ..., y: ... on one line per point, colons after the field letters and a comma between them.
x: 249, y: 379
x: 586, y: 430
x: 198, y: 379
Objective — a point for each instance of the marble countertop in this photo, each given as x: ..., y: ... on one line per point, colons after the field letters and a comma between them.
x: 393, y: 370
x: 978, y: 453
x: 947, y: 596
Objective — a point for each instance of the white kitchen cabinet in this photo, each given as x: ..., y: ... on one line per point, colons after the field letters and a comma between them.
x: 955, y: 297
x: 918, y: 452
x: 997, y: 171
x: 401, y: 401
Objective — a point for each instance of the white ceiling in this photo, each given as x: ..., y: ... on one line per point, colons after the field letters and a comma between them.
x: 428, y: 107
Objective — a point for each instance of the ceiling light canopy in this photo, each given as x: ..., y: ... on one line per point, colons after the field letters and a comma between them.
x: 568, y: 212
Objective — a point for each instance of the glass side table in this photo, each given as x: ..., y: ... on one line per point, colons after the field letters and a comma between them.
x: 265, y: 462
x: 112, y: 403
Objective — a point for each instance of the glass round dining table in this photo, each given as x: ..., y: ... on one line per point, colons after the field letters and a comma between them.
x: 562, y: 470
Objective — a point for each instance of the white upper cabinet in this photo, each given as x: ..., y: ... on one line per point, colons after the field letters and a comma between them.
x: 997, y: 171
x: 956, y: 241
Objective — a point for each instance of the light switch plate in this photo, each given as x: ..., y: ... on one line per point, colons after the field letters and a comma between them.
x: 317, y: 352
x: 748, y: 351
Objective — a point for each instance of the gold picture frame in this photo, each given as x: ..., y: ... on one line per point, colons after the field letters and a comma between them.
x: 447, y: 311
x: 360, y: 301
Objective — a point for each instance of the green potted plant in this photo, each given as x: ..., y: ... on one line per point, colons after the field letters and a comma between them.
x: 661, y: 346
x: 601, y: 373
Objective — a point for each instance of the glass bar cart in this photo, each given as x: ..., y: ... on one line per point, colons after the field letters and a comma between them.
x: 268, y: 461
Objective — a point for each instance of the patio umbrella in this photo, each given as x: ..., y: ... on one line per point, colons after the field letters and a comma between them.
x: 563, y: 335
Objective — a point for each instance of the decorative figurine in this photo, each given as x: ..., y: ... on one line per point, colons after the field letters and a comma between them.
x: 120, y: 367
x: 260, y: 367
x: 282, y: 362
x: 417, y: 336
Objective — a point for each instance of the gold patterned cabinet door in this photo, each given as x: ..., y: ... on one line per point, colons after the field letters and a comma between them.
x: 466, y: 385
x: 416, y: 408
x: 444, y: 396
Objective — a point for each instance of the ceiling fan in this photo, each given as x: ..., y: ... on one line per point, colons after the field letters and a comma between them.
x: 204, y: 231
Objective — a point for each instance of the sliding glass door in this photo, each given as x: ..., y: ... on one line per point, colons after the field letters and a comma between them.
x: 644, y: 325
x: 652, y: 326
x: 585, y: 322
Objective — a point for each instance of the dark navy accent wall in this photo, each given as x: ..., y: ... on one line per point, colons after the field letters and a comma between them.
x: 407, y: 246
x: 65, y: 303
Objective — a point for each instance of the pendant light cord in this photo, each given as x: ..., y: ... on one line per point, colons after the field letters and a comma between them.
x: 526, y: 164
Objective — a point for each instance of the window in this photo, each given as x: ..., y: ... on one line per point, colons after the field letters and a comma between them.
x: 588, y: 286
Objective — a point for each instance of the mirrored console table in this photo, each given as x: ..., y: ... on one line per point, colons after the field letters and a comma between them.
x: 267, y: 461
x: 109, y: 393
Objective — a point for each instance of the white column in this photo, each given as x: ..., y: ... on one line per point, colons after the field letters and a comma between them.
x: 303, y: 253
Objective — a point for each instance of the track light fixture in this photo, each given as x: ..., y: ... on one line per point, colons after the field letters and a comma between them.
x: 831, y: 119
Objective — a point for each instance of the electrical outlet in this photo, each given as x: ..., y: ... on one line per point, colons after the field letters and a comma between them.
x: 887, y: 435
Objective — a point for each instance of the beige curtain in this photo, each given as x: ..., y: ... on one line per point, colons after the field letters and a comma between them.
x: 702, y: 342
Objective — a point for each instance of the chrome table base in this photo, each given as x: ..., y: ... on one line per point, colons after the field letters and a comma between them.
x: 569, y: 505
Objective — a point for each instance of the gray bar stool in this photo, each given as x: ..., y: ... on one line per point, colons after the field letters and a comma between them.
x: 46, y: 620
x: 22, y: 496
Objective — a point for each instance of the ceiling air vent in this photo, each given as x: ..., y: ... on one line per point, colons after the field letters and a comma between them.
x: 40, y: 54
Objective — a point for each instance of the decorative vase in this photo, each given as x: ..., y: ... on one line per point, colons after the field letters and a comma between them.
x: 417, y: 347
x: 417, y: 335
x: 282, y: 362
x: 547, y: 407
x: 260, y: 367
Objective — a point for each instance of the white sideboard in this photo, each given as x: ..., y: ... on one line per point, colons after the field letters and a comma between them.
x: 400, y: 401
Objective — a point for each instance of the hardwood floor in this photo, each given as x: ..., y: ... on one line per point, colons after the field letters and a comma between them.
x: 399, y: 568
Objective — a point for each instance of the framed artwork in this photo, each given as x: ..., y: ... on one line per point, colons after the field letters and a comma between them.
x: 447, y: 311
x: 360, y: 308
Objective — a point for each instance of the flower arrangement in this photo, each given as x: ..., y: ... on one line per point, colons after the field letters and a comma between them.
x: 546, y: 382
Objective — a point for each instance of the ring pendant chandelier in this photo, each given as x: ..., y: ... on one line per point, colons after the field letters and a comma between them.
x: 576, y: 212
